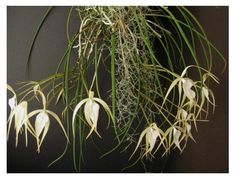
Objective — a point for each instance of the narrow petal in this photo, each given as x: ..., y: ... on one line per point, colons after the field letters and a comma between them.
x: 206, y: 93
x: 11, y: 89
x: 46, y: 128
x: 11, y: 116
x: 202, y: 103
x: 78, y: 106
x: 105, y: 106
x: 93, y: 128
x: 20, y: 114
x: 149, y: 142
x: 59, y: 96
x: 185, y: 70
x: 139, y: 141
x: 216, y: 79
x: 54, y: 115
x: 162, y: 137
x: 173, y: 84
x: 188, y: 128
x: 180, y: 92
x: 213, y: 99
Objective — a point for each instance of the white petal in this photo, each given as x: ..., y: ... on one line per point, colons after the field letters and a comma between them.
x: 91, y: 112
x: 42, y: 123
x: 41, y: 119
x: 176, y: 135
x: 205, y: 93
x: 12, y: 102
x: 152, y: 137
x: 188, y: 128
x: 59, y: 95
x: 88, y: 111
x: 46, y: 128
x: 20, y: 113
x: 78, y: 106
x: 187, y: 85
x: 35, y: 89
x: 95, y: 113
x: 184, y: 114
x: 185, y: 70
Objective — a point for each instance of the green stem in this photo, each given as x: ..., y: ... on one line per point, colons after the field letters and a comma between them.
x: 36, y: 34
x: 113, y: 46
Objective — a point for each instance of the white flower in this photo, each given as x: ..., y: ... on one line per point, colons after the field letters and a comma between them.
x: 19, y: 112
x: 151, y: 133
x: 188, y: 131
x: 207, y: 94
x: 42, y: 123
x: 175, y: 135
x: 185, y: 85
x: 91, y: 112
x: 184, y: 118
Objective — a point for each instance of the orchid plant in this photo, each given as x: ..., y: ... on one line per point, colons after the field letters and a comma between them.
x: 153, y: 108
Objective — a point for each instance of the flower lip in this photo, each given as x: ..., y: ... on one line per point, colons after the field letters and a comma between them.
x: 12, y: 102
x: 91, y: 112
x: 176, y: 136
x: 42, y: 124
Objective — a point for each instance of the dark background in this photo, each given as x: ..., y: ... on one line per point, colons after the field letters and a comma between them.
x: 209, y: 154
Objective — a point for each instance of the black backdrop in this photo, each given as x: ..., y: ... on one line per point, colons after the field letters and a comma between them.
x: 209, y: 154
